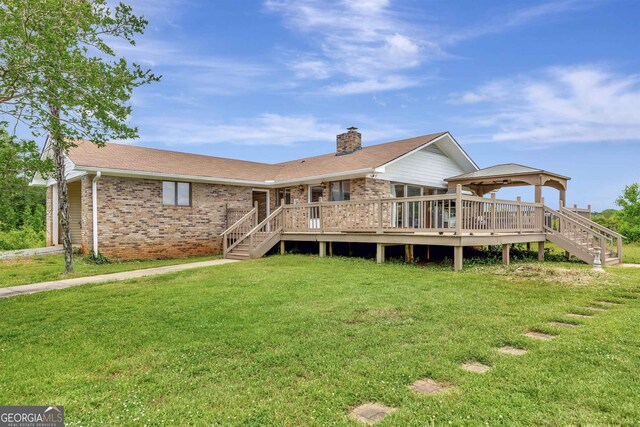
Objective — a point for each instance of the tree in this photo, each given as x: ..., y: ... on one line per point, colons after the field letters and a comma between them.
x: 60, y: 77
x: 629, y: 215
x: 20, y: 204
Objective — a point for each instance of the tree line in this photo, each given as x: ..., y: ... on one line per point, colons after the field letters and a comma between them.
x: 626, y: 220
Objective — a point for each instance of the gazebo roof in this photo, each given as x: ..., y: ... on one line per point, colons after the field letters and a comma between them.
x: 485, y: 180
x: 507, y: 169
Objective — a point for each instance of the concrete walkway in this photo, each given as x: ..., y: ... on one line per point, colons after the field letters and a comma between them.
x: 112, y: 277
x: 49, y: 250
x: 629, y: 265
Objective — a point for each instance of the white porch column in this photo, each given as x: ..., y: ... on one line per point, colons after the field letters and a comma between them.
x: 55, y: 221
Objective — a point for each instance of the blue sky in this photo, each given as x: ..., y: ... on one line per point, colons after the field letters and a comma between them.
x: 554, y: 85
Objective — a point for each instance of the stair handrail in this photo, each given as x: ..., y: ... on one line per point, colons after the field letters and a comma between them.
x: 248, y: 216
x: 602, y: 240
x: 571, y: 220
x: 265, y: 222
x: 590, y: 222
x: 604, y: 230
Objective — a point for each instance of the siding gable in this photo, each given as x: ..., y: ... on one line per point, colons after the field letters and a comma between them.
x: 428, y: 166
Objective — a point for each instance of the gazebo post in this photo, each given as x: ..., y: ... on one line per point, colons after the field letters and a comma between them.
x: 563, y: 198
x: 538, y: 194
x: 541, y: 244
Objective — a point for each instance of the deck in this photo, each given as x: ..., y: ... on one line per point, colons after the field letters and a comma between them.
x: 455, y: 220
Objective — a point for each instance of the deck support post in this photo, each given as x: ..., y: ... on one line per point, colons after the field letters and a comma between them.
x: 408, y: 253
x: 457, y: 258
x: 506, y: 254
x: 322, y: 249
x: 281, y: 247
x: 330, y: 248
x: 540, y: 251
x: 379, y: 253
x: 528, y: 246
x: 428, y: 253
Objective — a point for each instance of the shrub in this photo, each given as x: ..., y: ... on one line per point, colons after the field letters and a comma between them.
x: 97, y: 259
x: 23, y: 238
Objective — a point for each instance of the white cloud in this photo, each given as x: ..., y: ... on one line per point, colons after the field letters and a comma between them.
x: 373, y: 47
x: 516, y: 18
x: 197, y: 72
x: 372, y: 85
x: 311, y: 69
x: 562, y: 104
x: 364, y: 42
x: 265, y: 129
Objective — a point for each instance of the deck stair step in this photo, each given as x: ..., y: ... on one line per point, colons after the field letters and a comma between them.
x: 580, y: 236
x: 256, y: 241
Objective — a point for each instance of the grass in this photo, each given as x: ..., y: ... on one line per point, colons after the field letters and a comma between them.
x: 298, y: 340
x: 23, y: 271
x: 631, y: 253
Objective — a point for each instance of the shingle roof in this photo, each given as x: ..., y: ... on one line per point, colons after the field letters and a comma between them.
x: 507, y: 169
x: 150, y: 160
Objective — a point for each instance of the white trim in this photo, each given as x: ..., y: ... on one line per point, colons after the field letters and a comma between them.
x: 54, y: 214
x: 194, y: 178
x: 268, y: 198
x: 463, y: 152
x: 94, y: 195
x: 309, y: 191
x: 426, y: 144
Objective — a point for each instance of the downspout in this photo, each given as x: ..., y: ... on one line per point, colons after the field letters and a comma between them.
x: 94, y: 194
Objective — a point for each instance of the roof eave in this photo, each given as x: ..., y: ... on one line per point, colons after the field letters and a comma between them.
x: 216, y: 180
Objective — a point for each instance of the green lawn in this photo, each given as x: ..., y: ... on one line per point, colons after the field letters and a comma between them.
x: 23, y: 271
x: 298, y: 340
x: 631, y: 253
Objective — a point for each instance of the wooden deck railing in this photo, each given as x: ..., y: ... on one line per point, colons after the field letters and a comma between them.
x: 233, y: 235
x: 235, y: 214
x: 613, y: 240
x: 448, y: 213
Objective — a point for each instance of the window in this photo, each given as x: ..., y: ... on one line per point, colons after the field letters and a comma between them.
x: 176, y: 193
x: 340, y: 190
x: 414, y: 191
x: 405, y: 190
x: 283, y: 194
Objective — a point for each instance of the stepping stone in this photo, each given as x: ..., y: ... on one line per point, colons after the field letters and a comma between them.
x: 429, y: 386
x: 475, y: 367
x: 579, y: 316
x: 512, y: 350
x: 539, y: 335
x: 370, y: 413
x: 597, y: 308
x: 563, y: 324
x: 608, y: 303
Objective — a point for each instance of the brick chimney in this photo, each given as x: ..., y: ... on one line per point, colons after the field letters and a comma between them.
x: 347, y: 143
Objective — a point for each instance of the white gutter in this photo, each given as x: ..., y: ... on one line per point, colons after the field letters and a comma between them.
x: 196, y: 178
x: 94, y: 194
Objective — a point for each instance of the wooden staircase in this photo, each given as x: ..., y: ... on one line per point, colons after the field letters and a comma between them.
x: 582, y: 237
x: 241, y: 241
